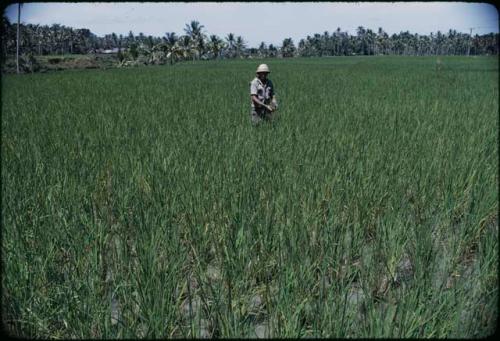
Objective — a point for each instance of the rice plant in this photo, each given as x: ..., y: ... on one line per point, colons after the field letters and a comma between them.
x: 141, y: 203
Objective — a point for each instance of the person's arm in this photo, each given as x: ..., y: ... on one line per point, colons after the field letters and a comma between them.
x: 256, y: 100
x: 274, y: 103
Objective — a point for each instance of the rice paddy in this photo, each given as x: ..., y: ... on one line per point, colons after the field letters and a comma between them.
x: 141, y: 203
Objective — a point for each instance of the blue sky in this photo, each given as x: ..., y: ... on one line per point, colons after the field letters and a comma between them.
x: 263, y: 21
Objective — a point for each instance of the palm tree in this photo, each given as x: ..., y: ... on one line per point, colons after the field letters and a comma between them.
x: 27, y: 34
x: 193, y: 29
x: 316, y: 42
x: 272, y: 50
x: 302, y: 48
x: 150, y: 42
x: 194, y: 32
x: 130, y: 38
x: 216, y: 45
x: 71, y: 35
x: 176, y: 53
x: 325, y: 46
x: 159, y: 52
x: 185, y: 47
x: 171, y: 40
x: 230, y: 44
x: 337, y: 41
x: 288, y: 48
x: 370, y: 42
x: 141, y: 38
x: 239, y: 46
x: 362, y: 45
x: 84, y: 37
x: 379, y: 41
x: 262, y: 50
x: 54, y: 37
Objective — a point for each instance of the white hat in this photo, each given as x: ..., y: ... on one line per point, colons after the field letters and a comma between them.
x: 263, y: 68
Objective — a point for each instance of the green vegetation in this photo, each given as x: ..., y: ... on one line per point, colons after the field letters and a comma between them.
x: 196, y: 43
x: 142, y: 203
x: 31, y: 63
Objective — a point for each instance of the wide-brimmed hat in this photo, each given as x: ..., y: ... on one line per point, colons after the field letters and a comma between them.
x: 263, y: 68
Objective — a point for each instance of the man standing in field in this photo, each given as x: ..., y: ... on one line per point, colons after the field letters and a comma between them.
x: 263, y: 98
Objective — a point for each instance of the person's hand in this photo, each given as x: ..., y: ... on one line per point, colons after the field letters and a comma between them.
x: 270, y: 108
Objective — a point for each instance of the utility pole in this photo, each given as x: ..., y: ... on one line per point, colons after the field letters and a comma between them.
x: 18, y: 23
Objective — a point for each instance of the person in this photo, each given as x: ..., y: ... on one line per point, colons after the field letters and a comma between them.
x: 263, y: 97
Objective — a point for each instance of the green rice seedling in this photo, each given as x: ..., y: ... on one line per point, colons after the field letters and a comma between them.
x: 141, y: 203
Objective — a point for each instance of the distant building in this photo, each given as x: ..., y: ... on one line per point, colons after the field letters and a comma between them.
x: 109, y: 51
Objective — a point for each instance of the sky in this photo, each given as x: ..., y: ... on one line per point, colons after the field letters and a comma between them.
x: 268, y: 22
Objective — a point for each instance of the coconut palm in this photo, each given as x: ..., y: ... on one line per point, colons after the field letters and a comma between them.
x: 85, y: 39
x: 35, y: 38
x: 173, y: 49
x: 288, y: 48
x: 325, y: 44
x: 159, y: 53
x: 54, y: 37
x: 141, y: 38
x: 239, y: 46
x: 185, y: 47
x: 41, y: 35
x: 262, y: 50
x: 170, y: 38
x: 273, y: 51
x: 370, y: 41
x: 175, y: 53
x: 216, y: 45
x: 230, y: 44
x: 301, y: 48
x: 193, y: 29
x: 194, y: 32
x: 27, y: 35
x: 145, y: 54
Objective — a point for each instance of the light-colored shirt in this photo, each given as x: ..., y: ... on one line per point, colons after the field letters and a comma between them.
x: 264, y: 91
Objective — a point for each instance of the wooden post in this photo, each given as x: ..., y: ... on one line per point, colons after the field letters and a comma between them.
x: 18, y: 30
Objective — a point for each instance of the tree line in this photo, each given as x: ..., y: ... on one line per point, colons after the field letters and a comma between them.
x: 195, y: 44
x: 368, y: 42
